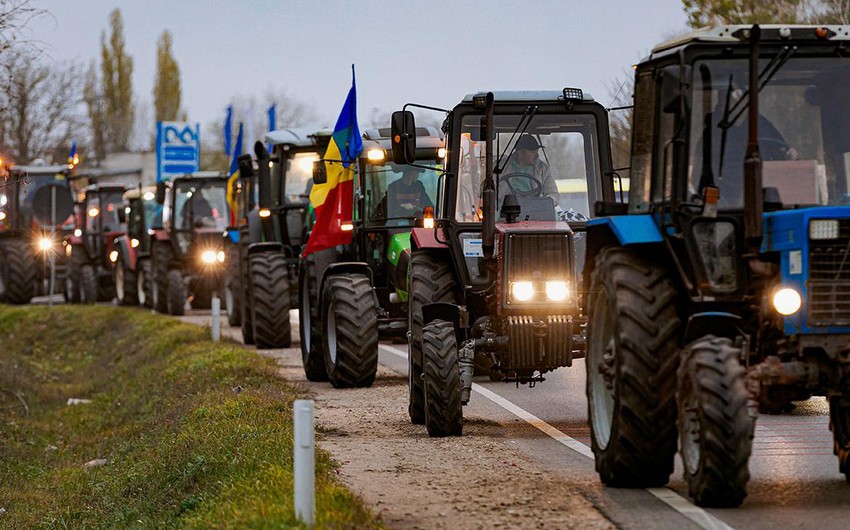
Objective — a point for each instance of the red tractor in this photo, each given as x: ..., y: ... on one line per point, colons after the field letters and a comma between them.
x: 132, y: 268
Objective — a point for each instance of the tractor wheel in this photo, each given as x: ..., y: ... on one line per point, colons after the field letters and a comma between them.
x: 162, y: 255
x: 632, y: 357
x: 270, y: 300
x: 350, y: 340
x: 431, y: 280
x: 309, y: 319
x: 105, y: 290
x: 232, y: 285
x: 716, y: 422
x: 839, y: 424
x: 88, y: 285
x: 17, y: 273
x: 144, y: 287
x: 443, y: 409
x: 126, y: 285
x: 72, y: 279
x: 176, y: 293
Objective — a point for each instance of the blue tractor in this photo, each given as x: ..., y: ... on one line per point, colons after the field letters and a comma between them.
x: 721, y: 286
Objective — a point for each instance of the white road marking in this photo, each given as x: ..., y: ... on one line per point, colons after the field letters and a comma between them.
x: 700, y: 517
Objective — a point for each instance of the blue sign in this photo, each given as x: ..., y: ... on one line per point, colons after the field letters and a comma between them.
x: 178, y: 148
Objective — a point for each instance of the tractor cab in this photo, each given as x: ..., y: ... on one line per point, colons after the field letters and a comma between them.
x: 195, y: 213
x: 493, y: 283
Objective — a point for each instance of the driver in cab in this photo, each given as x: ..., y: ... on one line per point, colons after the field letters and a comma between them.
x: 526, y: 162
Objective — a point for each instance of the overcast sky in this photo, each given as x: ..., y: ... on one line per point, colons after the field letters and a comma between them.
x: 427, y: 51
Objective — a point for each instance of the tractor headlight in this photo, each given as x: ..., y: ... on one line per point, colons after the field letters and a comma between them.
x: 208, y: 256
x: 134, y: 242
x: 3, y: 200
x: 45, y: 244
x: 220, y: 256
x: 113, y: 256
x: 2, y: 216
x: 68, y: 249
x: 787, y: 301
x: 823, y: 229
x: 522, y: 291
x: 557, y: 291
x: 78, y: 232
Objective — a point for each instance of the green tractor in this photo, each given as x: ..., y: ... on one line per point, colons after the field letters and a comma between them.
x: 273, y: 211
x: 352, y: 296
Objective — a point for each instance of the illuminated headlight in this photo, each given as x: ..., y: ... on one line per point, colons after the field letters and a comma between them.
x: 265, y: 212
x: 208, y: 256
x: 823, y: 229
x: 3, y: 200
x: 45, y: 243
x: 787, y: 301
x: 149, y: 196
x: 2, y: 216
x: 306, y: 163
x: 94, y: 212
x: 78, y: 232
x: 557, y: 291
x: 347, y: 227
x: 134, y: 242
x: 69, y: 249
x: 220, y: 256
x: 376, y: 155
x: 522, y: 291
x: 113, y: 256
x: 441, y: 153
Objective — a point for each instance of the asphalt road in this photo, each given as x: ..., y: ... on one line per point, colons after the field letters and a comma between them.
x: 795, y: 480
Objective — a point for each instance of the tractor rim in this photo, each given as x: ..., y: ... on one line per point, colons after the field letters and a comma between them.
x: 602, y: 378
x: 331, y: 331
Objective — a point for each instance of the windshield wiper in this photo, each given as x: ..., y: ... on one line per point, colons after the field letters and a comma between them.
x: 524, y: 122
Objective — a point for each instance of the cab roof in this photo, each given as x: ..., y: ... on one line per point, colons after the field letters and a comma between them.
x: 426, y: 137
x: 770, y: 33
x: 136, y: 193
x: 517, y: 96
x: 299, y: 136
x: 40, y: 169
x: 201, y: 175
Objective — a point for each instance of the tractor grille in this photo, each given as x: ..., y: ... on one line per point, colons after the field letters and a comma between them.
x: 546, y: 254
x: 540, y: 343
x: 829, y: 279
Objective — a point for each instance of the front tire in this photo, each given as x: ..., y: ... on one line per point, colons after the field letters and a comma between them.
x: 350, y: 341
x: 144, y: 285
x: 126, y: 285
x: 176, y: 293
x: 716, y: 422
x: 632, y: 358
x: 442, y: 389
x: 431, y: 280
x: 839, y: 424
x: 310, y: 269
x: 162, y: 256
x: 232, y: 285
x: 270, y: 300
x: 18, y: 269
x: 88, y: 285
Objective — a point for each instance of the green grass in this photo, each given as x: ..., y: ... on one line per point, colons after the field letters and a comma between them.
x: 183, y: 449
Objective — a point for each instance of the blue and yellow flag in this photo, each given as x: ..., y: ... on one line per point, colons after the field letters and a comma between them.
x: 234, y: 178
x: 333, y: 201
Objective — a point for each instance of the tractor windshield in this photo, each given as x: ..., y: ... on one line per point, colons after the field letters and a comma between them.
x: 397, y: 194
x: 804, y: 131
x: 546, y: 165
x: 201, y: 204
x: 102, y: 209
x: 299, y: 176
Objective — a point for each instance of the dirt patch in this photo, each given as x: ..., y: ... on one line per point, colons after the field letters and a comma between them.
x: 415, y: 482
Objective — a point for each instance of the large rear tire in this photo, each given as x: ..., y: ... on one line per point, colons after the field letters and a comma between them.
x: 309, y: 319
x: 716, y: 422
x: 632, y: 358
x: 247, y: 317
x: 18, y: 271
x: 72, y: 277
x: 232, y: 286
x: 88, y: 285
x: 270, y: 300
x: 839, y: 424
x: 431, y: 280
x: 350, y: 341
x: 443, y: 407
x: 176, y: 293
x: 162, y: 255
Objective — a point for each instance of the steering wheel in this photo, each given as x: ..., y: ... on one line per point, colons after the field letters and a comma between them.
x: 535, y: 189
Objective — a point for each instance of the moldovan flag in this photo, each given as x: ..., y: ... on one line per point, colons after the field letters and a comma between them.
x: 234, y: 178
x: 333, y: 201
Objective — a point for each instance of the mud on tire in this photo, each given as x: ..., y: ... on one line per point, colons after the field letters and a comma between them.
x: 431, y: 280
x: 270, y: 300
x: 442, y: 389
x: 716, y: 422
x: 350, y: 340
x: 631, y: 365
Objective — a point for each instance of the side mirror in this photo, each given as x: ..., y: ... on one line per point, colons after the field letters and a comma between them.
x: 122, y: 215
x: 260, y: 151
x: 403, y: 137
x: 320, y: 173
x: 672, y: 90
x: 246, y: 167
x: 160, y: 193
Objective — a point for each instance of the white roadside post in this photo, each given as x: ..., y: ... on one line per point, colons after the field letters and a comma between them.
x: 216, y: 317
x: 305, y: 461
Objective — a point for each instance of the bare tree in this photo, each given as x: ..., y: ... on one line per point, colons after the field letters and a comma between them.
x: 43, y: 108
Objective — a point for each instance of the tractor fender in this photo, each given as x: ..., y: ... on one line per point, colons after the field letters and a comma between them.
x: 255, y: 226
x: 344, y: 267
x: 449, y: 312
x: 717, y: 323
x: 428, y: 238
x: 269, y: 246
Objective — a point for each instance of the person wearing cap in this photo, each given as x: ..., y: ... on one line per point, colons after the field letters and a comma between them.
x: 406, y: 197
x: 526, y: 161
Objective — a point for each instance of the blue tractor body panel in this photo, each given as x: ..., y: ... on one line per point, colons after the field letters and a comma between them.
x: 630, y: 229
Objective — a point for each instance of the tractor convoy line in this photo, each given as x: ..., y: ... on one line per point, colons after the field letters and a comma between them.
x: 696, y: 514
